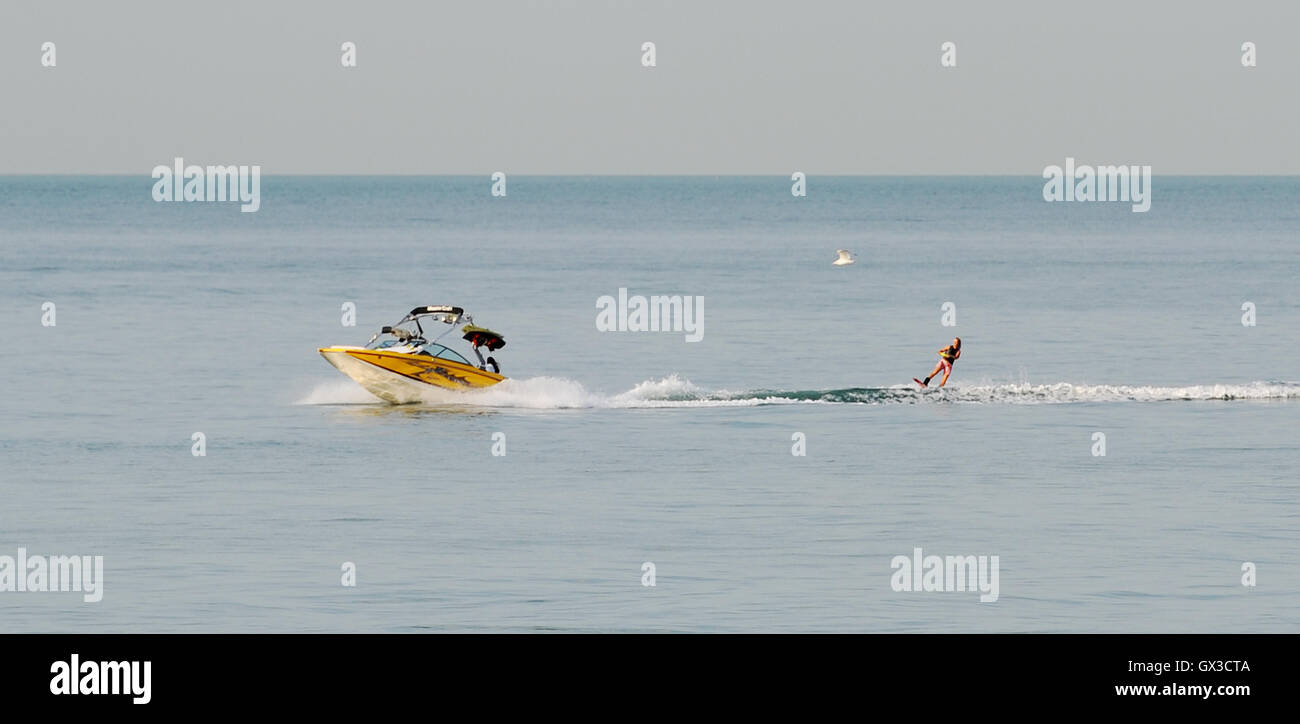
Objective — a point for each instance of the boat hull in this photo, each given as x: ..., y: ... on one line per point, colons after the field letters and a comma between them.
x: 400, y: 378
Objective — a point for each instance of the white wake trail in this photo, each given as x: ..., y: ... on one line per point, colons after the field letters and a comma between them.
x: 557, y: 393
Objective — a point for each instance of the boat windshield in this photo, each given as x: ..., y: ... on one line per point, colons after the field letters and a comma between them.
x: 437, y: 350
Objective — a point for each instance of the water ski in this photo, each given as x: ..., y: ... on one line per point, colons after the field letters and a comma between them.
x: 919, y: 382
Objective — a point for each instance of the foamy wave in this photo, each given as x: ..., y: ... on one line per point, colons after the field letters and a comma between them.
x: 556, y: 393
x: 671, y: 387
x: 538, y: 393
x: 338, y: 392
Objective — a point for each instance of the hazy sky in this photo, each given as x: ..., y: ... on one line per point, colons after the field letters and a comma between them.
x: 851, y: 87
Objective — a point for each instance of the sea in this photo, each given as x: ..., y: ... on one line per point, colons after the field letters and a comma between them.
x: 1118, y: 440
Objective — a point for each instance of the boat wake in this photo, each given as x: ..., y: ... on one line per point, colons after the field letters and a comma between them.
x: 553, y: 393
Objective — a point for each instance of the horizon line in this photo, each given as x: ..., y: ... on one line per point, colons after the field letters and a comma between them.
x: 645, y: 175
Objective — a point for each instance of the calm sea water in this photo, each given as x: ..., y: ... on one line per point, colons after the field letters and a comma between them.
x: 625, y: 448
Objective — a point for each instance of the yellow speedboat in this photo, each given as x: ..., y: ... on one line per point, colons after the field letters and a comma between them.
x: 398, y: 362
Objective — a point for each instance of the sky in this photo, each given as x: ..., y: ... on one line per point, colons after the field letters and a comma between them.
x: 757, y: 87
